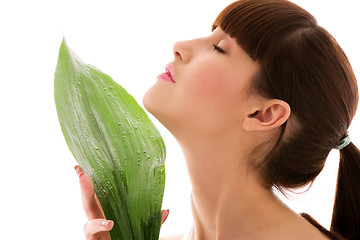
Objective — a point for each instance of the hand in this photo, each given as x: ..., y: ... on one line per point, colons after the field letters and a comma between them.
x: 97, y: 227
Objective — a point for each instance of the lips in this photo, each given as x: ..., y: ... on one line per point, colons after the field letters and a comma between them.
x: 168, y: 75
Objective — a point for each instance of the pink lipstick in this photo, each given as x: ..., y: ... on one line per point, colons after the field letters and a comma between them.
x: 168, y: 75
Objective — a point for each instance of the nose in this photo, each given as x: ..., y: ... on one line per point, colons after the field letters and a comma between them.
x: 181, y: 51
x: 176, y: 51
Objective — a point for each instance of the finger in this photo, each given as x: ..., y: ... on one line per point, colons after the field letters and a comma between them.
x: 78, y: 170
x: 164, y: 215
x: 97, y: 226
x: 90, y: 203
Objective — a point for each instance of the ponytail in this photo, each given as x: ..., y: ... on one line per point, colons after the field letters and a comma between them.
x: 346, y: 213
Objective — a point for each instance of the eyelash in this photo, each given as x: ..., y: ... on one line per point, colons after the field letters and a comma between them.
x: 218, y: 49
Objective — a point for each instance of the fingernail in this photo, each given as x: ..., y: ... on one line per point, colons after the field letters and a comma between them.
x: 76, y: 167
x: 168, y: 211
x: 82, y: 173
x: 105, y: 223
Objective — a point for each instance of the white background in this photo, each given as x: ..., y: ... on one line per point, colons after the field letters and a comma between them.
x: 131, y: 41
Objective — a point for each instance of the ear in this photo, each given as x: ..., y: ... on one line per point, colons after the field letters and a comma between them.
x: 271, y: 114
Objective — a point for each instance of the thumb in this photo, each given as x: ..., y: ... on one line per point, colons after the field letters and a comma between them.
x: 164, y: 215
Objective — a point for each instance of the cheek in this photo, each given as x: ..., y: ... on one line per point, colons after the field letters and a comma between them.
x: 215, y: 88
x: 203, y: 82
x: 213, y: 98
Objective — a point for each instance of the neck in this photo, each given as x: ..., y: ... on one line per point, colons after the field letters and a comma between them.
x: 228, y: 201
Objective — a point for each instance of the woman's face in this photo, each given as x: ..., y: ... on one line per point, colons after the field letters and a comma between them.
x: 212, y: 76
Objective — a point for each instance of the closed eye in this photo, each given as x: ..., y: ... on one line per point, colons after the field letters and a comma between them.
x: 218, y: 49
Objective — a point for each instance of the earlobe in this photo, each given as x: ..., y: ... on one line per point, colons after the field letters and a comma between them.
x: 272, y: 114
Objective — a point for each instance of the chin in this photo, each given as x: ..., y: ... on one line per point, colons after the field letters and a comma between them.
x: 152, y: 103
x: 156, y: 105
x: 147, y: 100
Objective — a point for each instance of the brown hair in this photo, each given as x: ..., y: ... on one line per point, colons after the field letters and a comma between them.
x: 302, y: 64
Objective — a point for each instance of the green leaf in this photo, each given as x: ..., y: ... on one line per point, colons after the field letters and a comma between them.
x: 115, y: 143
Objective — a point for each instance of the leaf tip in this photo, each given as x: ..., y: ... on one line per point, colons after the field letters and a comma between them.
x: 64, y: 44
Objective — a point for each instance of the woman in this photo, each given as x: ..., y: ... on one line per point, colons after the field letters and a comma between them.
x: 257, y: 104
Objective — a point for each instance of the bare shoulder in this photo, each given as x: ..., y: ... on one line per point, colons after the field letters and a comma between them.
x: 175, y: 237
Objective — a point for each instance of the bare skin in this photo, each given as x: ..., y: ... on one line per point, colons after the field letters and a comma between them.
x: 218, y: 124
